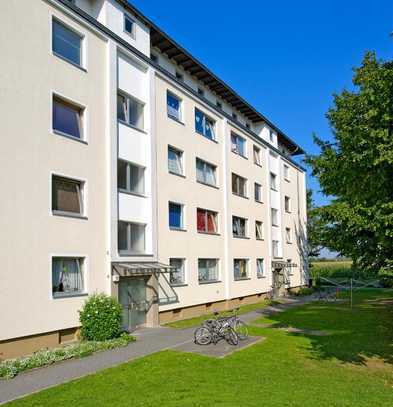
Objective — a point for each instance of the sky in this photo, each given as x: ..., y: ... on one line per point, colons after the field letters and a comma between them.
x: 286, y: 58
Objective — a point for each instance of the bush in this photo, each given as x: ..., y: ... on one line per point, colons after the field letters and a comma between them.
x: 304, y: 291
x: 10, y: 368
x: 100, y: 318
x: 386, y: 281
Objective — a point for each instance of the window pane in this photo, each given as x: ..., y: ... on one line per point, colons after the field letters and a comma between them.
x: 174, y: 161
x: 200, y: 170
x: 260, y: 271
x: 173, y: 106
x: 66, y: 195
x: 199, y: 119
x: 66, y: 43
x: 207, y: 270
x: 210, y: 175
x: 121, y: 174
x: 136, y: 113
x: 67, y: 275
x: 175, y: 215
x: 240, y: 268
x: 128, y: 25
x: 66, y: 118
x: 123, y: 236
x: 235, y: 188
x: 121, y: 108
x: 137, y: 179
x: 258, y: 230
x: 177, y: 277
x: 211, y: 222
x: 201, y: 220
x: 137, y: 238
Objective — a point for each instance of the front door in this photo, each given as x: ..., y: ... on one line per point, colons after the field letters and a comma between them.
x: 132, y: 297
x: 278, y: 282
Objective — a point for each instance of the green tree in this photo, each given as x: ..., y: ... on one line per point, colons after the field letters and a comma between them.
x: 314, y: 227
x: 356, y: 170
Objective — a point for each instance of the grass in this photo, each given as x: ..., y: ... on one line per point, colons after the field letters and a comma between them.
x: 331, y: 269
x: 191, y: 322
x: 351, y: 367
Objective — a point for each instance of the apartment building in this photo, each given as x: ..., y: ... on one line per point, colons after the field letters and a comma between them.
x: 131, y: 169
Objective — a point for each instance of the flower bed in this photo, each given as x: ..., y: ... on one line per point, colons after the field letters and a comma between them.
x: 12, y: 367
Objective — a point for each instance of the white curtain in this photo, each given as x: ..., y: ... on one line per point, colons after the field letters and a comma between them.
x: 67, y: 275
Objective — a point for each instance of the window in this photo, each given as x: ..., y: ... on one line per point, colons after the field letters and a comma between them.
x: 207, y: 270
x: 201, y: 92
x: 259, y: 230
x: 271, y: 136
x: 66, y: 43
x: 67, y: 118
x: 287, y: 204
x: 131, y: 238
x: 258, y: 192
x: 238, y: 145
x: 204, y: 125
x: 286, y: 172
x: 240, y: 269
x: 179, y: 76
x: 239, y: 227
x: 274, y: 213
x: 234, y: 116
x: 273, y: 181
x: 67, y: 195
x: 173, y: 105
x: 248, y: 125
x: 257, y: 155
x: 177, y: 277
x: 275, y: 248
x: 130, y: 177
x: 239, y: 185
x: 207, y: 221
x: 205, y: 172
x: 260, y: 268
x: 175, y: 216
x: 154, y: 58
x: 288, y: 235
x: 67, y: 276
x: 219, y: 104
x: 129, y: 25
x: 175, y: 161
x: 130, y: 111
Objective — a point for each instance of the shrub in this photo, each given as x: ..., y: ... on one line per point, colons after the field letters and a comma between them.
x: 100, y: 318
x: 10, y: 368
x: 304, y: 291
x: 386, y: 281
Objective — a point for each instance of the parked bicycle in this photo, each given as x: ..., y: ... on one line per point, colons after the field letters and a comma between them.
x: 230, y: 328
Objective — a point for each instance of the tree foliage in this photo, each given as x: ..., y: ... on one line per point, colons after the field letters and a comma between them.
x: 357, y: 169
x: 314, y: 227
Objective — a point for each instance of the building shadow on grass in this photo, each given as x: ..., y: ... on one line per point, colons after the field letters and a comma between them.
x: 353, y: 335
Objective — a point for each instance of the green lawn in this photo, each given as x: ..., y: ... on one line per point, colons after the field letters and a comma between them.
x: 351, y: 367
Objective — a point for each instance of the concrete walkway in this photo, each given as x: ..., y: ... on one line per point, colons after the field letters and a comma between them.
x: 149, y: 340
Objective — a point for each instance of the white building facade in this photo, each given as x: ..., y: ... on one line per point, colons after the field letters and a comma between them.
x: 133, y: 171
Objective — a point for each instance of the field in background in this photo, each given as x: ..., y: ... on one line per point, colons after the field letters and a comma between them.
x: 333, y: 269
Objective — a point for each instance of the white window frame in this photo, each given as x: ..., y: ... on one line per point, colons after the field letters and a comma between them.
x: 82, y: 198
x: 180, y: 118
x: 286, y: 171
x: 274, y: 216
x: 132, y: 34
x: 128, y: 190
x: 182, y: 216
x: 217, y: 262
x: 239, y: 177
x: 129, y: 251
x: 273, y: 181
x: 258, y: 187
x: 258, y: 262
x: 287, y: 199
x: 259, y: 225
x: 206, y: 164
x: 128, y: 98
x: 238, y: 218
x: 288, y: 235
x: 184, y: 272
x: 235, y: 145
x: 181, y: 160
x: 212, y: 124
x: 257, y: 155
x: 275, y: 249
x: 246, y: 261
x: 215, y: 215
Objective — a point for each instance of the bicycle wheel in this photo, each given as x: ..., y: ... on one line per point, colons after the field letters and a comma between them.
x: 240, y: 329
x: 231, y: 337
x: 202, y: 336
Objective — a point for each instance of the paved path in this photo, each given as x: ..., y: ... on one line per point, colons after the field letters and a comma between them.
x: 149, y: 341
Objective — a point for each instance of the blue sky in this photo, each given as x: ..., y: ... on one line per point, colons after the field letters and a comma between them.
x: 286, y: 58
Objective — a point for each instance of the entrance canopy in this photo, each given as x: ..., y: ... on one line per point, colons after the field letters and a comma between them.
x: 140, y: 269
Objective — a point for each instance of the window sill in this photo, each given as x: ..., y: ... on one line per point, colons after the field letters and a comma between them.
x: 134, y: 254
x: 274, y: 189
x: 72, y: 295
x: 208, y: 233
x: 208, y: 185
x: 257, y: 201
x: 288, y: 212
x: 289, y: 242
x: 69, y: 61
x: 257, y: 164
x: 240, y: 155
x: 274, y: 225
x: 259, y: 240
x: 177, y: 174
x: 287, y: 180
x: 207, y: 138
x: 124, y: 191
x: 174, y: 229
x: 175, y: 119
x: 242, y: 279
x: 241, y: 237
x: 179, y: 285
x: 69, y: 215
x: 261, y: 277
x: 240, y: 196
x: 209, y: 282
x: 131, y: 126
x: 60, y: 133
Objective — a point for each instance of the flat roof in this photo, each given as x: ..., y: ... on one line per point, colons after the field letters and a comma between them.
x: 190, y: 64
